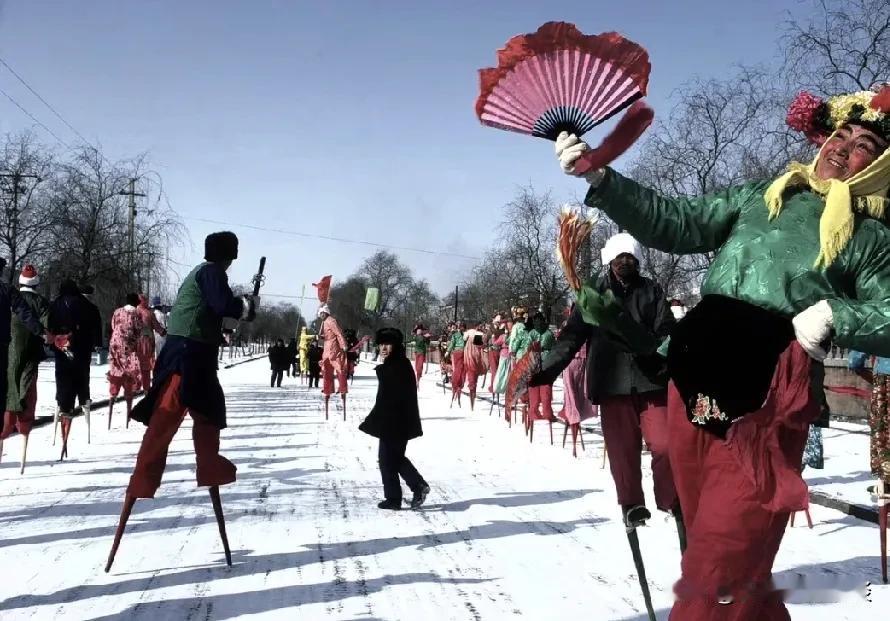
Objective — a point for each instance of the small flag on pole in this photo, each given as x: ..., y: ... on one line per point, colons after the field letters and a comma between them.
x: 372, y: 299
x: 324, y: 289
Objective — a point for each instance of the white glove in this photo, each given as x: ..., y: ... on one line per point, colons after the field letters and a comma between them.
x: 813, y: 326
x: 568, y: 149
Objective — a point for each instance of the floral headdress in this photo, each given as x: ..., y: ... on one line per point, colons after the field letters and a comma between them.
x: 865, y: 192
x: 818, y: 118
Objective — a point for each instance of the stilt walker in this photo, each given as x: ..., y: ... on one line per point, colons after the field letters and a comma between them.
x: 71, y: 317
x: 145, y: 345
x: 505, y: 362
x: 474, y: 360
x: 333, y: 360
x: 186, y: 382
x: 493, y: 352
x: 746, y: 363
x: 541, y: 397
x: 456, y: 346
x: 25, y: 353
x: 421, y: 347
x: 576, y: 406
x: 125, y: 371
x: 519, y: 343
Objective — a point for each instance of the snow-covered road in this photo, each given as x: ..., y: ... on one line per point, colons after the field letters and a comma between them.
x: 509, y: 531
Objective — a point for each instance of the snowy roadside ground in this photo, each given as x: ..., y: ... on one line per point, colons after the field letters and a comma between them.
x: 510, y: 529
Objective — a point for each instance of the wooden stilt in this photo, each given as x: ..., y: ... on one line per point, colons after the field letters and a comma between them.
x: 55, y: 426
x: 110, y: 409
x: 344, y: 407
x: 86, y: 414
x: 882, y: 524
x: 327, y: 401
x: 565, y: 434
x: 221, y: 522
x: 129, y: 501
x: 24, y: 454
x: 550, y: 422
x: 581, y: 436
x: 603, y: 467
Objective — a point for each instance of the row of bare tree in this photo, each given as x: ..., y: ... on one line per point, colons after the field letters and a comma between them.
x: 69, y: 215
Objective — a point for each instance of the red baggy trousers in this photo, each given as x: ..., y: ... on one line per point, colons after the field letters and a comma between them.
x: 213, y: 468
x: 327, y: 378
x: 540, y: 402
x: 458, y: 374
x: 736, y: 496
x: 626, y: 421
x: 21, y: 421
x: 419, y: 361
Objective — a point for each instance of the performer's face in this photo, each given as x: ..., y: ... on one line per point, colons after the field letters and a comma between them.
x: 624, y: 266
x: 850, y: 150
x: 385, y: 350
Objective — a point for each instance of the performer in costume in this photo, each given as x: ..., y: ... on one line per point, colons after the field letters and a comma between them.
x: 25, y: 354
x: 505, y: 364
x: 186, y: 380
x: 334, y: 360
x: 632, y: 401
x: 519, y: 343
x: 72, y: 316
x: 145, y: 346
x: 493, y: 331
x: 799, y: 260
x: 124, y: 369
x: 351, y: 352
x: 421, y: 347
x: 445, y: 365
x: 456, y: 351
x: 576, y: 406
x: 306, y: 340
x: 474, y: 360
x: 541, y: 397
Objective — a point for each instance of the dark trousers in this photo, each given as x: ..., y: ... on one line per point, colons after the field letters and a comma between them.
x: 314, y: 375
x: 72, y: 381
x: 394, y: 464
x: 277, y: 375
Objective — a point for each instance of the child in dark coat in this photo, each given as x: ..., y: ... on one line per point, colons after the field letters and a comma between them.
x: 395, y: 419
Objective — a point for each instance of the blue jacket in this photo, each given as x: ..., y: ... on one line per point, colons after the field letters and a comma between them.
x: 857, y: 360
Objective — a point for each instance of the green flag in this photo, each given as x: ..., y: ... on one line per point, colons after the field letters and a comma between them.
x: 372, y: 299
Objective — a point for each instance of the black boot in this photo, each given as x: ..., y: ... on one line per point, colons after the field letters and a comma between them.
x: 635, y: 515
x: 420, y: 496
x: 391, y: 505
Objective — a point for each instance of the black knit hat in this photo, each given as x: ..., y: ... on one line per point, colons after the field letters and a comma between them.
x: 389, y: 336
x: 221, y: 246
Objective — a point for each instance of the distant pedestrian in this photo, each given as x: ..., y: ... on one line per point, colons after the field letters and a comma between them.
x: 395, y: 419
x: 313, y: 357
x: 278, y: 362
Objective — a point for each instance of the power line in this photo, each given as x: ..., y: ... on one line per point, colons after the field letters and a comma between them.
x: 336, y: 239
x: 33, y: 118
x: 45, y: 102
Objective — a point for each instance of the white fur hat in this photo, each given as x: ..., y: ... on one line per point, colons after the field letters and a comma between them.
x: 622, y: 243
x: 324, y: 309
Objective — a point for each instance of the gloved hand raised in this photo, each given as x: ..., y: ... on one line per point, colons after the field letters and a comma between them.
x: 568, y: 149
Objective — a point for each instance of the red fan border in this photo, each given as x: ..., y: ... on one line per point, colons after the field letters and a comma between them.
x: 549, y: 37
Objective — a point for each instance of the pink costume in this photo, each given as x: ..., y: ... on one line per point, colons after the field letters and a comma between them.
x: 333, y: 358
x: 145, y: 346
x: 123, y: 363
x: 474, y: 359
x: 576, y: 407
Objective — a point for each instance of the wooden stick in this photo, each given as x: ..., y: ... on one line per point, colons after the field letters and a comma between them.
x: 221, y: 522
x: 129, y: 501
x: 24, y: 454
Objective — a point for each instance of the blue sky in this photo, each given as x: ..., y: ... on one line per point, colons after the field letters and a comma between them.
x: 347, y: 119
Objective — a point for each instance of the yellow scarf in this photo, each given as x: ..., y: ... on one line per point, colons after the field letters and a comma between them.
x: 869, y: 187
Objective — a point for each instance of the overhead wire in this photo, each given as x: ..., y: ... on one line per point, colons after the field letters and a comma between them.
x: 335, y: 239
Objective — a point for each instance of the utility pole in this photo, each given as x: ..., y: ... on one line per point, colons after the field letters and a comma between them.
x: 131, y: 230
x: 13, y: 214
x: 456, y: 298
x: 151, y: 260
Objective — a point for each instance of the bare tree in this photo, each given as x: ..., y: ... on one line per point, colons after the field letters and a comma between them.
x: 845, y: 46
x: 27, y: 218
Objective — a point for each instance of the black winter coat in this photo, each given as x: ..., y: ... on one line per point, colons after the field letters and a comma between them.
x: 72, y: 314
x: 396, y: 415
x: 611, y: 370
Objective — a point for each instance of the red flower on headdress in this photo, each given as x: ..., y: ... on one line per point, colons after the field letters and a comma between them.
x: 802, y: 116
x: 881, y: 101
